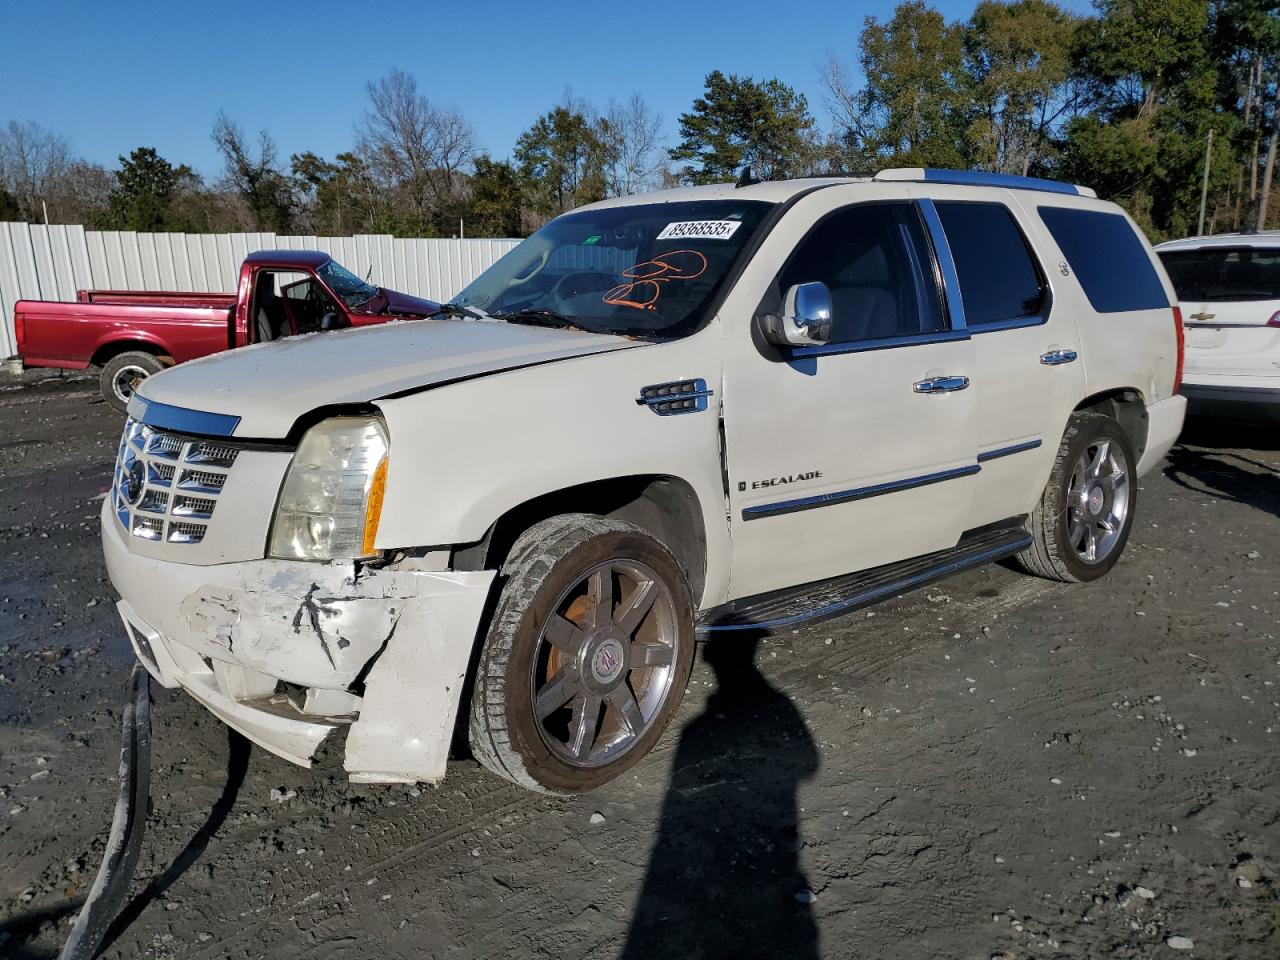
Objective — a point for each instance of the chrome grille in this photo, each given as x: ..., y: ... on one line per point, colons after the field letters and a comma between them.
x: 156, y: 495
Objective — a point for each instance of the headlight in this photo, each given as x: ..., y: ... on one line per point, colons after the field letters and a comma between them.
x: 332, y: 496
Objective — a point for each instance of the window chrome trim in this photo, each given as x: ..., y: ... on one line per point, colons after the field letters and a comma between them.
x: 164, y: 416
x: 1013, y: 448
x: 946, y: 263
x: 1016, y: 323
x: 882, y: 343
x: 858, y: 493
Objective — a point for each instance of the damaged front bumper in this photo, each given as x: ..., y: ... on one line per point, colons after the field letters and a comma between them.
x: 387, y: 647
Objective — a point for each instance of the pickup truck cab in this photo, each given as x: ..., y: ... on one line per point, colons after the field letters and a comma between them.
x: 129, y: 335
x: 721, y: 410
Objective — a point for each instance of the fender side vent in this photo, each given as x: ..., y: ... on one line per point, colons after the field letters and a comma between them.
x: 678, y: 396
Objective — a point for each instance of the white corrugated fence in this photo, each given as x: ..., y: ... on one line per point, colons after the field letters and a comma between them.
x: 52, y: 262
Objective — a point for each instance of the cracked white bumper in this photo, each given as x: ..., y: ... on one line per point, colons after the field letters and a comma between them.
x: 390, y: 646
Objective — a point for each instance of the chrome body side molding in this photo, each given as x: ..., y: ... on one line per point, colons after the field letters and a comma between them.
x: 860, y: 493
x: 999, y: 452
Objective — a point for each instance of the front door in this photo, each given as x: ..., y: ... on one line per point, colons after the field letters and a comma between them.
x: 860, y: 451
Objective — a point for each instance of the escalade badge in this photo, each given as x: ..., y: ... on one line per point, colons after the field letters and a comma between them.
x: 779, y: 481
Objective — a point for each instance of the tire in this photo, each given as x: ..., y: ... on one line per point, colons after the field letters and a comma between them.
x: 122, y: 374
x: 1061, y: 523
x: 624, y: 680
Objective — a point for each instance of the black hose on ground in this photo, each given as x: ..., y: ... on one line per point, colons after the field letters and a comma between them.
x: 124, y: 843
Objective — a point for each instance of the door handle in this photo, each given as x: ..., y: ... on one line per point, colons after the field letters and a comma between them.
x: 1055, y: 358
x: 940, y: 385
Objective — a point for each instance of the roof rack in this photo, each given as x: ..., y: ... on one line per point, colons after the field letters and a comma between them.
x: 982, y: 178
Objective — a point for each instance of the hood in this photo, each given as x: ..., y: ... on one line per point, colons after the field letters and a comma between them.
x: 400, y: 304
x: 270, y: 385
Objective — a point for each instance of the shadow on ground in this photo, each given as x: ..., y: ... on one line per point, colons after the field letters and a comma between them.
x: 1225, y: 434
x: 724, y: 879
x: 1226, y: 475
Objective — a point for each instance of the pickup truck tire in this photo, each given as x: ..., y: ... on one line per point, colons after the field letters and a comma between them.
x: 587, y: 655
x: 1082, y: 522
x: 122, y: 374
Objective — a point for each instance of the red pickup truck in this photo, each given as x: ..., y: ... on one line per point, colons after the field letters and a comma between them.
x: 130, y: 335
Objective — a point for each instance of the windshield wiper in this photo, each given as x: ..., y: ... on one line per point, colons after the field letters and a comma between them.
x: 545, y: 318
x: 461, y: 310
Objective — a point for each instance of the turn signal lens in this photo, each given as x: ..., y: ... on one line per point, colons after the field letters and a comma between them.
x: 373, y: 509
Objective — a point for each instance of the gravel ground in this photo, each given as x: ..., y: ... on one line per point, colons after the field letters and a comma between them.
x: 993, y: 767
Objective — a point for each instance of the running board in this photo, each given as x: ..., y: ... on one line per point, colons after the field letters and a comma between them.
x: 830, y: 598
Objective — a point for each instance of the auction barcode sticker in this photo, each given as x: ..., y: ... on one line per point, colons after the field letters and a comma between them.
x: 700, y: 230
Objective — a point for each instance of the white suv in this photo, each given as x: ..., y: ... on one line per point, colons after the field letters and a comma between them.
x: 717, y: 410
x: 1228, y: 289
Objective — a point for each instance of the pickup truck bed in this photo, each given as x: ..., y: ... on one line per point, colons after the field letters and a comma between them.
x: 90, y: 331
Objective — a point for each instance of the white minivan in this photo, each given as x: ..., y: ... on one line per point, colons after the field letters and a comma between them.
x: 1229, y: 293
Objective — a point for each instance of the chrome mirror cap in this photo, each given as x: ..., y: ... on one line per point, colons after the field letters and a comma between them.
x: 806, y: 315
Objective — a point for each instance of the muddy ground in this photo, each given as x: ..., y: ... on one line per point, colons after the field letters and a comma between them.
x: 993, y: 767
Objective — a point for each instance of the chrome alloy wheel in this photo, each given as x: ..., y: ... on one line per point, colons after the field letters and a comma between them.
x: 605, y: 661
x: 126, y: 381
x: 1098, y: 500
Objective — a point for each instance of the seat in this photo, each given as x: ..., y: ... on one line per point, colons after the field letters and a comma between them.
x: 269, y: 313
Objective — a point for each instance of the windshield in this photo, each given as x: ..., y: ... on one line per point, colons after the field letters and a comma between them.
x: 1224, y: 274
x: 645, y: 270
x: 353, y: 291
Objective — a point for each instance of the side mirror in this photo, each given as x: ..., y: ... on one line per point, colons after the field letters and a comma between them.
x: 806, y: 317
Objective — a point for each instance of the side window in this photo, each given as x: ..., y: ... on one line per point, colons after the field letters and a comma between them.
x: 999, y: 280
x: 1111, y: 263
x: 876, y: 261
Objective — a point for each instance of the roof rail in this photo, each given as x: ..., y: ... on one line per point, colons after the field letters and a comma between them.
x: 982, y: 178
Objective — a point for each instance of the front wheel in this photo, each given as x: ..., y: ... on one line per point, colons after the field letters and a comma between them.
x: 587, y: 655
x: 1082, y: 522
x: 123, y: 374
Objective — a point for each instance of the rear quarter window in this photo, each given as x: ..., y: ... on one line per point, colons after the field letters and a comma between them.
x: 1110, y: 262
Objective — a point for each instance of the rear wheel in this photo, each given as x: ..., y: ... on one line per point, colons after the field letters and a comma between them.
x: 1082, y: 522
x: 123, y: 374
x: 587, y: 655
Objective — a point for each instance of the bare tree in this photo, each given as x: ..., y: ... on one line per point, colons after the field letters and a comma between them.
x: 33, y: 161
x: 841, y: 99
x: 252, y: 175
x: 632, y: 134
x: 415, y: 148
x: 80, y: 194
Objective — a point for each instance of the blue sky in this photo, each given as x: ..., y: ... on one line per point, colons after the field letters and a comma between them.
x: 118, y: 74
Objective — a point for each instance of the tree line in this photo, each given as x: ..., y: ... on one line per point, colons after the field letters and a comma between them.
x: 1126, y: 100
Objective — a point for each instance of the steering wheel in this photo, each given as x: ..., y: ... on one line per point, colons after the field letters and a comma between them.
x: 573, y: 285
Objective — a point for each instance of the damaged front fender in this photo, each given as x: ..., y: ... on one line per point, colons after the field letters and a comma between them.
x: 388, y: 646
x: 410, y: 633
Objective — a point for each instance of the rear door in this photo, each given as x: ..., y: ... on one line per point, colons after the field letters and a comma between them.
x: 1230, y: 299
x: 1026, y: 347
